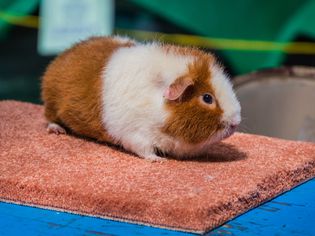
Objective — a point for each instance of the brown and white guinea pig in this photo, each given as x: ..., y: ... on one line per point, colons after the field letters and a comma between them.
x: 144, y: 97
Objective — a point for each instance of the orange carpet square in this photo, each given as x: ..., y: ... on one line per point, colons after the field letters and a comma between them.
x: 81, y: 176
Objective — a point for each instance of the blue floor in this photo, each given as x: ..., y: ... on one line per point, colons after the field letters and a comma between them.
x: 292, y: 213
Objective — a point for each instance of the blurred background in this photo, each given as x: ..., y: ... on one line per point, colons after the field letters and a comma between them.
x: 246, y: 35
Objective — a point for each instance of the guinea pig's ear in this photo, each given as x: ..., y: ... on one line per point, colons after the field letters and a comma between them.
x: 178, y: 87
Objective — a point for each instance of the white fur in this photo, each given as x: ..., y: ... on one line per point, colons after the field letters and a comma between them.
x: 134, y: 81
x: 55, y: 128
x: 225, y: 96
x: 123, y: 39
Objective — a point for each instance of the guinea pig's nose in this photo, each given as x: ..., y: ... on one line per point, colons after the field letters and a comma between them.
x: 235, y: 121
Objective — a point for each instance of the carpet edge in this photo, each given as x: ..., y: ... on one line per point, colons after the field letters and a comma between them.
x: 113, y: 218
x: 310, y: 174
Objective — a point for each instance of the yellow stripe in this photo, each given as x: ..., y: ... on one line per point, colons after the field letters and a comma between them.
x: 27, y: 21
x: 224, y: 44
x: 198, y: 41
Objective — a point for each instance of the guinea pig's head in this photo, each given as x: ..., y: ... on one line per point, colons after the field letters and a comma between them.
x: 202, y: 106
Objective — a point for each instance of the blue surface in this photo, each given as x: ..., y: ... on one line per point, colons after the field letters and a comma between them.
x: 292, y: 213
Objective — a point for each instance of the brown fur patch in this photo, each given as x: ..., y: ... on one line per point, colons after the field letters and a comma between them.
x: 71, y: 86
x: 190, y: 119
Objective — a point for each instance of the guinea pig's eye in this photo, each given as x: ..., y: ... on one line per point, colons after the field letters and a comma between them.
x: 207, y: 98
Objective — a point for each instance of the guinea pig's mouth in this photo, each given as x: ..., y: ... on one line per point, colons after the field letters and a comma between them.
x: 227, y: 132
x: 223, y: 132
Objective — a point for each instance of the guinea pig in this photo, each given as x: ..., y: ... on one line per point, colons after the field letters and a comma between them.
x: 142, y: 96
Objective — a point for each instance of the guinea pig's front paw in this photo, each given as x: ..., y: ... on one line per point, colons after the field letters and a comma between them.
x: 151, y: 156
x: 154, y: 158
x: 55, y: 129
x: 142, y: 147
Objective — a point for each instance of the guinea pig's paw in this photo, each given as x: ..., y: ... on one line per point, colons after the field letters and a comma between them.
x: 154, y: 158
x: 55, y: 129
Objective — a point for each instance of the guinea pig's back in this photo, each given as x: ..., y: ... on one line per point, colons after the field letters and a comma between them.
x: 72, y: 86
